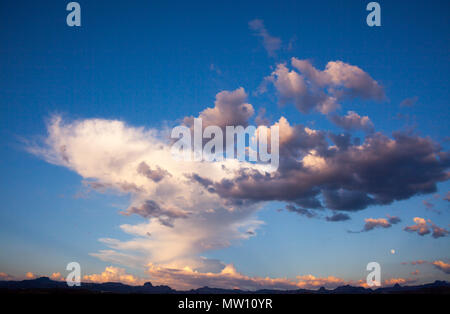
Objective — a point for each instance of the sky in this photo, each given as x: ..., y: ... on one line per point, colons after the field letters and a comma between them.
x: 364, y: 142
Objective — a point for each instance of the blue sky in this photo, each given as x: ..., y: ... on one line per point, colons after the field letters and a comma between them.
x: 151, y: 64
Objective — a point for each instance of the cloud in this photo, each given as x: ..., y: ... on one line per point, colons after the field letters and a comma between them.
x: 5, y: 276
x: 229, y: 277
x: 156, y: 175
x: 271, y: 43
x: 427, y: 204
x: 439, y: 264
x: 230, y: 108
x: 337, y: 217
x: 438, y: 232
x: 301, y: 211
x: 409, y: 102
x: 183, y: 218
x: 311, y: 89
x: 351, y: 178
x: 375, y: 223
x: 293, y: 88
x: 56, y: 276
x: 415, y: 273
x: 393, y: 219
x: 420, y: 226
x: 194, y: 207
x: 353, y: 121
x: 346, y: 200
x: 445, y: 267
x: 399, y: 281
x: 371, y: 223
x: 151, y: 209
x: 190, y: 207
x: 30, y: 275
x: 342, y: 79
x: 423, y: 227
x: 114, y: 274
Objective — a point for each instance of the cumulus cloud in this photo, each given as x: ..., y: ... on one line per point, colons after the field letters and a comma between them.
x: 311, y: 89
x: 292, y: 88
x: 229, y: 277
x: 399, y: 281
x: 114, y: 274
x: 376, y: 172
x: 193, y: 207
x: 347, y: 79
x: 372, y: 223
x: 423, y: 227
x: 30, y: 275
x: 186, y: 278
x: 376, y: 223
x: 445, y: 267
x: 118, y: 157
x: 353, y: 122
x: 271, y: 43
x: 56, y: 276
x: 230, y: 108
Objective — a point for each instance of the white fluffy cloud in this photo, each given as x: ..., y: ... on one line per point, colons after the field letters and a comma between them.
x: 183, y: 219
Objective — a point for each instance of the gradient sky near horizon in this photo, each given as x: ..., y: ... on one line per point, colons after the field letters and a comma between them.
x: 152, y: 63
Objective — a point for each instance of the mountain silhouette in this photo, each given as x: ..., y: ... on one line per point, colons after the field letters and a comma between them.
x: 46, y: 285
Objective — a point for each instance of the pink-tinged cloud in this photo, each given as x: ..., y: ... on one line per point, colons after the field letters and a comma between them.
x: 230, y: 278
x: 445, y: 267
x: 5, y: 276
x: 30, y: 275
x: 400, y: 281
x: 227, y: 278
x: 114, y: 274
x: 423, y: 227
x: 56, y: 276
x: 372, y: 223
x: 230, y: 108
x: 311, y: 89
